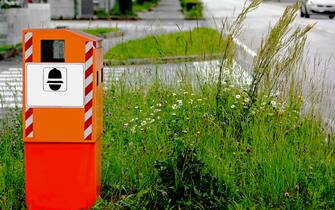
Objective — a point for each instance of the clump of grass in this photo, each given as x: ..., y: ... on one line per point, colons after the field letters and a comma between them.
x: 5, y: 48
x: 101, y: 31
x: 200, y: 41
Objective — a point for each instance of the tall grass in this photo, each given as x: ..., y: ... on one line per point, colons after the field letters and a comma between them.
x: 219, y: 144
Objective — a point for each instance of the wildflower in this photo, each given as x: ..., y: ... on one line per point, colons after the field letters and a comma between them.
x: 152, y: 121
x: 199, y: 99
x: 232, y: 106
x: 133, y: 129
x: 286, y: 194
x: 130, y: 144
x: 179, y: 81
x: 158, y: 117
x: 174, y: 94
x: 174, y: 106
x: 157, y: 110
x: 185, y: 93
x: 275, y: 94
x: 192, y: 94
x: 143, y: 123
x: 191, y: 101
x: 173, y: 114
x: 159, y: 105
x: 125, y: 126
x: 198, y: 132
x: 136, y: 107
x: 14, y: 143
x: 180, y: 102
x: 246, y: 100
x: 238, y: 96
x: 274, y: 104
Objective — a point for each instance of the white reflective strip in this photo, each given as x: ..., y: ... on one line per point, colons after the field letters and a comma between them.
x: 88, y: 97
x: 28, y: 52
x: 88, y: 46
x: 89, y: 63
x: 88, y: 114
x: 30, y: 135
x: 27, y: 36
x: 88, y: 131
x: 29, y: 121
x: 15, y: 69
x: 88, y: 80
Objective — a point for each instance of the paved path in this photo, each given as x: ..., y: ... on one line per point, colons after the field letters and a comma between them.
x: 165, y: 10
x: 11, y: 88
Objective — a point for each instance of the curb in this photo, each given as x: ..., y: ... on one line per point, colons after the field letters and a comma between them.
x: 163, y: 60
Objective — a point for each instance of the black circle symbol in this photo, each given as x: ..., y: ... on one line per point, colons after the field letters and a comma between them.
x: 55, y: 79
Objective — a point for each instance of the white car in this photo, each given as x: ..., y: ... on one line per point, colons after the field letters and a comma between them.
x: 309, y: 7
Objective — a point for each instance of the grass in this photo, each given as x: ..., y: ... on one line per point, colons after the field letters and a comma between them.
x: 201, y: 41
x: 5, y: 48
x: 101, y: 31
x: 206, y: 142
x: 146, y: 6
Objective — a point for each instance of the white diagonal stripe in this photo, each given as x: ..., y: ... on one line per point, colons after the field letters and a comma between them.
x: 27, y: 36
x: 30, y: 135
x: 89, y: 62
x: 88, y: 46
x: 28, y: 52
x: 88, y: 114
x: 87, y: 131
x: 29, y: 121
x: 89, y: 96
x: 88, y: 80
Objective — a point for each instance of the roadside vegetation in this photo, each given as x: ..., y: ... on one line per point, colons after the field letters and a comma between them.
x: 7, y: 51
x: 127, y: 9
x: 103, y: 32
x: 218, y: 143
x: 192, y: 9
x: 144, y: 5
x: 200, y: 41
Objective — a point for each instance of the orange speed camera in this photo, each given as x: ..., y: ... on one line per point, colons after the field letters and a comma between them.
x: 62, y: 118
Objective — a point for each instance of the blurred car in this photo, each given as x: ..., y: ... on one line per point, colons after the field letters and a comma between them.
x: 325, y: 7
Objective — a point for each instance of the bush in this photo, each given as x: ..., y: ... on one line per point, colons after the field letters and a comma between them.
x: 192, y: 8
x: 102, y: 14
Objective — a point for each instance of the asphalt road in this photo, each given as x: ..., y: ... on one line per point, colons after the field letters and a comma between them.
x: 320, y: 45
